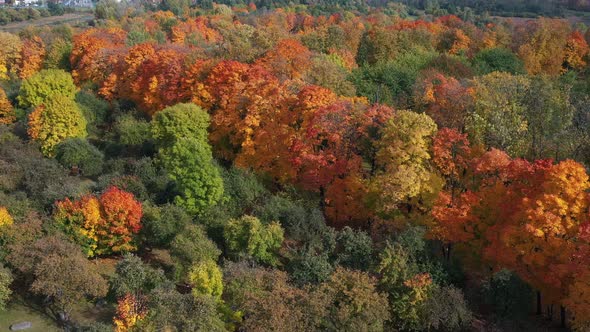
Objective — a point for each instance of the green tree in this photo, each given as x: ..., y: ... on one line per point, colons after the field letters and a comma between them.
x: 79, y: 153
x: 39, y: 88
x: 133, y: 276
x: 5, y: 291
x: 189, y: 163
x: 499, y: 117
x: 162, y: 223
x: 354, y: 249
x: 180, y: 121
x: 354, y: 302
x: 498, y: 59
x: 189, y: 247
x: 247, y: 235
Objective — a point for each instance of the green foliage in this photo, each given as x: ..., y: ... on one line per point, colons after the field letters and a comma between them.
x: 170, y: 310
x: 508, y: 295
x: 162, y: 223
x: 243, y: 191
x: 206, y: 279
x: 180, y: 121
x: 446, y: 310
x: 189, y: 163
x: 78, y: 152
x: 39, y: 88
x: 391, y: 82
x: 247, y: 235
x: 354, y: 303
x: 134, y: 276
x: 5, y: 291
x: 95, y: 111
x: 310, y: 267
x: 354, y: 249
x: 58, y: 54
x: 131, y: 131
x: 498, y: 59
x: 190, y: 247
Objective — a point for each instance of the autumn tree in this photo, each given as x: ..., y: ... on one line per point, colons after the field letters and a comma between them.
x: 288, y: 60
x: 7, y: 114
x: 32, y: 57
x: 55, y: 120
x: 130, y: 311
x: 403, y: 162
x: 10, y: 54
x: 576, y: 50
x: 543, y: 45
x: 499, y: 118
x: 206, y: 279
x: 101, y: 225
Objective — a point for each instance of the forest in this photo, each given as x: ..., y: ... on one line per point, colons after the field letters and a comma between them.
x: 296, y: 167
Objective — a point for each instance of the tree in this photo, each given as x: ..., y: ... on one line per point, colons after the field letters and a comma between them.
x: 54, y: 121
x: 288, y: 60
x: 354, y: 302
x: 447, y: 310
x: 41, y: 87
x: 59, y: 271
x: 499, y: 116
x: 206, y: 279
x: 5, y: 291
x: 101, y: 225
x: 191, y: 247
x: 403, y: 161
x: 498, y: 59
x: 32, y: 56
x: 543, y: 45
x: 7, y: 114
x: 5, y: 217
x: 9, y: 55
x: 247, y: 235
x: 354, y: 249
x: 189, y: 163
x: 179, y: 121
x: 576, y: 49
x: 168, y: 309
x: 162, y: 223
x: 130, y: 311
x: 79, y: 154
x: 133, y: 276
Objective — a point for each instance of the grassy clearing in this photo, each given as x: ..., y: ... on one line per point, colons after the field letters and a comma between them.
x: 17, y: 312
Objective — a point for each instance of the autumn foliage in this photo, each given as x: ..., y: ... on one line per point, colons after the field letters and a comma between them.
x: 101, y: 225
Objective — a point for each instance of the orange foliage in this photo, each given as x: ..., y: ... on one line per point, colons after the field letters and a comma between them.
x: 7, y: 114
x: 194, y: 31
x: 130, y: 310
x: 32, y: 56
x: 288, y: 60
x: 576, y: 50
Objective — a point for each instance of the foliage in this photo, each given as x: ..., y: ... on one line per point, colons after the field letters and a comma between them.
x: 80, y: 154
x: 508, y: 295
x: 206, y: 279
x: 190, y: 247
x: 101, y: 225
x: 6, y: 279
x: 42, y: 86
x: 247, y: 235
x: 54, y: 121
x: 133, y: 276
x: 7, y: 114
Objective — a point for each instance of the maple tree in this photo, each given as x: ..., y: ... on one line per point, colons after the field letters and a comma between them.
x: 288, y: 60
x: 576, y: 49
x: 101, y: 225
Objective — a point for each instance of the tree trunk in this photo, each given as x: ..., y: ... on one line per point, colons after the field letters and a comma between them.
x: 539, y: 307
x: 550, y: 312
x: 562, y: 315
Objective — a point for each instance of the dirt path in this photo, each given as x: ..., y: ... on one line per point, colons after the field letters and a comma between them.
x: 71, y: 18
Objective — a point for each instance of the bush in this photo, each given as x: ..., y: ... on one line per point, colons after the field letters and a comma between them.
x: 77, y: 152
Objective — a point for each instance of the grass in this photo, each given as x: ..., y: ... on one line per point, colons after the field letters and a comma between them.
x: 17, y: 312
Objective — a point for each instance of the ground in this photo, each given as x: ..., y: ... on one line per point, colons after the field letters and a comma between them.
x: 18, y: 312
x: 71, y: 19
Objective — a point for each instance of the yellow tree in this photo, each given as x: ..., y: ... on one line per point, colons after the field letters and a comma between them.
x: 7, y: 115
x: 54, y: 121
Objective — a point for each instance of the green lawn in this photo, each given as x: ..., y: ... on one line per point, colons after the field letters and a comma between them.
x: 16, y: 313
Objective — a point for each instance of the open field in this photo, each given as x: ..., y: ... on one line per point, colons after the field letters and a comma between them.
x: 17, y: 312
x: 71, y: 18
